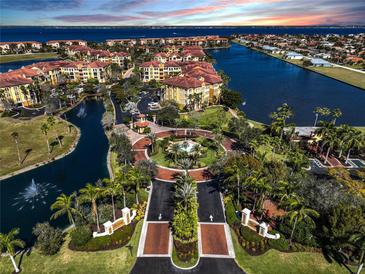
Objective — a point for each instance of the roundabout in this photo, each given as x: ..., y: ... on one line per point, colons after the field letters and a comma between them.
x: 197, y: 145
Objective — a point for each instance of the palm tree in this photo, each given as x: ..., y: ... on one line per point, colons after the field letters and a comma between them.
x: 136, y: 178
x: 185, y: 164
x: 355, y: 140
x: 336, y: 113
x: 152, y: 137
x: 358, y: 239
x: 65, y: 205
x: 15, y: 137
x: 184, y: 193
x: 323, y: 111
x: 235, y: 169
x: 122, y: 178
x: 316, y: 111
x: 51, y: 121
x: 112, y: 189
x: 8, y: 243
x: 174, y: 150
x: 45, y: 129
x: 330, y: 142
x: 91, y: 193
x: 298, y: 212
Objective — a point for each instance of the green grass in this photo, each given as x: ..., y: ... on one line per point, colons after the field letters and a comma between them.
x: 209, y: 118
x: 31, y: 139
x: 24, y: 57
x: 275, y: 262
x: 120, y: 260
x: 182, y: 264
x: 161, y: 157
x: 269, y: 154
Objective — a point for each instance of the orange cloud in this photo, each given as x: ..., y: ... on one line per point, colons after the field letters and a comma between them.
x: 181, y: 12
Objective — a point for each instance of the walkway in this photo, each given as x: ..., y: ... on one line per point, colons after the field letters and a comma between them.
x: 165, y: 174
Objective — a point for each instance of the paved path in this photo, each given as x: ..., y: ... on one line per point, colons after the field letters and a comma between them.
x: 147, y: 265
x: 165, y: 174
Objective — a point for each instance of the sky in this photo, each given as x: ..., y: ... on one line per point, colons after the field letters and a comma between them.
x: 182, y: 12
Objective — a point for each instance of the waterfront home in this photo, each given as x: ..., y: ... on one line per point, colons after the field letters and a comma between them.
x: 197, y: 80
x: 155, y: 70
x: 14, y: 90
x: 82, y: 71
x: 293, y: 55
x: 273, y: 50
x: 123, y: 42
x: 7, y: 46
x: 60, y: 43
x: 317, y: 62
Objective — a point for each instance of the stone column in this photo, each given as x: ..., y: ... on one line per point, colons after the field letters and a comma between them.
x: 126, y: 215
x: 263, y: 228
x: 246, y: 213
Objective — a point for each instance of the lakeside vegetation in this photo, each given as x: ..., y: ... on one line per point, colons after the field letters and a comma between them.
x: 27, y: 56
x: 30, y: 139
x: 354, y: 78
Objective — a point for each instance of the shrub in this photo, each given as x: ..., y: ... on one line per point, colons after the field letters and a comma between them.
x: 231, y: 213
x: 118, y: 239
x: 81, y: 235
x: 147, y: 130
x: 250, y: 235
x: 49, y: 239
x: 280, y: 244
x: 105, y: 212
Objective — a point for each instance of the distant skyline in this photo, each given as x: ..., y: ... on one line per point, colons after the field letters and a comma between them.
x: 182, y: 13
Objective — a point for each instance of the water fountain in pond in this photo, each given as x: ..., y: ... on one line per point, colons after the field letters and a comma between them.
x: 34, y: 194
x: 82, y: 111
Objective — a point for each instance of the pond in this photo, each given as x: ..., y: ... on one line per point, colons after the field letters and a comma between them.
x: 26, y: 198
x: 266, y: 82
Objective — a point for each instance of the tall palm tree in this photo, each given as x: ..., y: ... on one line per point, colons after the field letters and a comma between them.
x: 184, y: 193
x: 65, y: 205
x: 185, y: 164
x: 355, y: 140
x: 316, y: 111
x: 330, y: 142
x: 342, y: 134
x: 112, y: 188
x: 358, y: 240
x: 298, y: 212
x: 8, y: 243
x: 45, y: 129
x: 235, y: 169
x: 15, y: 136
x: 91, y: 193
x: 336, y: 113
x: 323, y: 111
x: 122, y: 178
x: 51, y: 121
x: 136, y: 178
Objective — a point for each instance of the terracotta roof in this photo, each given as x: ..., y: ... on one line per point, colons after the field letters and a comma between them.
x: 121, y: 53
x: 97, y: 64
x: 7, y: 80
x: 151, y: 63
x: 141, y: 115
x: 183, y: 81
x: 141, y: 124
x: 173, y: 64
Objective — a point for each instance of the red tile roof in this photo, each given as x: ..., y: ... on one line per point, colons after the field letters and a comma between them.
x: 155, y: 64
x: 183, y: 81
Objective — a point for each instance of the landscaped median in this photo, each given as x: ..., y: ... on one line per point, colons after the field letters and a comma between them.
x: 31, y: 140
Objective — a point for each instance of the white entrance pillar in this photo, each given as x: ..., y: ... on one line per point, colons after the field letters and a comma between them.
x: 246, y: 213
x: 126, y: 215
x: 263, y: 229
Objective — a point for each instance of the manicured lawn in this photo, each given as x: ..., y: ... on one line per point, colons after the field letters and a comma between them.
x: 289, y: 263
x: 269, y: 154
x: 209, y: 118
x: 67, y: 261
x: 24, y: 57
x: 32, y: 142
x: 161, y: 157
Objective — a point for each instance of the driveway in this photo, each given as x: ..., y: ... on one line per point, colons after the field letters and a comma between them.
x: 205, y: 266
x: 210, y: 203
x: 161, y: 202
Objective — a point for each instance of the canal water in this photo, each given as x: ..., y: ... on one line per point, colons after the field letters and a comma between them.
x: 5, y: 67
x: 26, y: 198
x: 266, y: 82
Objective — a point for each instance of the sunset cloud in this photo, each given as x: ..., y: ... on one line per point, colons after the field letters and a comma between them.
x: 183, y: 12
